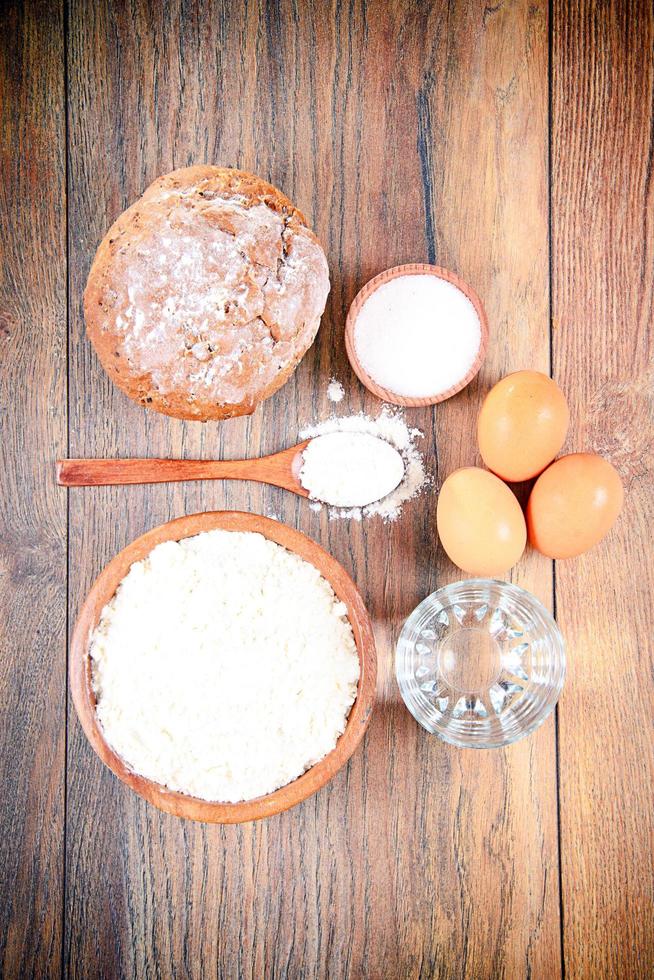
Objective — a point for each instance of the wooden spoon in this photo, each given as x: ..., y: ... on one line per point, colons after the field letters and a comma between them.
x: 281, y: 470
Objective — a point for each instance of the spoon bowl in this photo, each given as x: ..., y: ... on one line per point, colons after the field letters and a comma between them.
x: 351, y: 469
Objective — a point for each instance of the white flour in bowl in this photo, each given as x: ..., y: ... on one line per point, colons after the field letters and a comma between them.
x: 390, y: 426
x: 224, y: 666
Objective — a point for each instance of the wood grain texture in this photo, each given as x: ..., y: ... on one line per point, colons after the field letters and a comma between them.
x: 32, y: 507
x: 406, y: 133
x: 484, y: 167
x: 602, y: 300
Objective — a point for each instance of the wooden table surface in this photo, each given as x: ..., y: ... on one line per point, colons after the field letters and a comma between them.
x: 511, y: 142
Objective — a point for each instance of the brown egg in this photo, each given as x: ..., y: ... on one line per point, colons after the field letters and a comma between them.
x: 480, y: 523
x: 573, y: 504
x: 522, y: 425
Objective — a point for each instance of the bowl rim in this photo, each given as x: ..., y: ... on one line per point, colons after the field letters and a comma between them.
x: 181, y: 804
x: 413, y: 269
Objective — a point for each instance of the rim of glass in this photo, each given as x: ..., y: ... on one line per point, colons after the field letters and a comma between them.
x: 548, y: 693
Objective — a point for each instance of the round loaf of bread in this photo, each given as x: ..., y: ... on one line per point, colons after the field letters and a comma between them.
x: 205, y: 294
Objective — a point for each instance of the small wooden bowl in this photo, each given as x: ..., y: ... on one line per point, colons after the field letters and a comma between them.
x: 413, y: 269
x: 313, y: 779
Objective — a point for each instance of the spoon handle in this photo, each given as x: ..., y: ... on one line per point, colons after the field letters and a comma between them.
x: 279, y: 470
x: 104, y: 472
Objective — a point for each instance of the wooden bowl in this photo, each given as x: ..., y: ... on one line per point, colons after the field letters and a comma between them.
x: 413, y: 269
x: 313, y: 779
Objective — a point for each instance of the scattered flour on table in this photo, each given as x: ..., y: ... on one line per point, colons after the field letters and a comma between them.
x: 335, y: 391
x: 224, y: 666
x: 391, y: 426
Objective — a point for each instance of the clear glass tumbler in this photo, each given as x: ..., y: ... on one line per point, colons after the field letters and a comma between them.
x: 480, y: 663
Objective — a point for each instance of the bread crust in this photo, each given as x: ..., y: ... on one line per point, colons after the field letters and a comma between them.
x: 205, y: 294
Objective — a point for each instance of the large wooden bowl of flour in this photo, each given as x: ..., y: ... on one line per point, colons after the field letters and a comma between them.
x: 181, y: 804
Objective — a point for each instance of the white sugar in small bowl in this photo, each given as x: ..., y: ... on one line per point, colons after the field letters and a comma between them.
x: 400, y: 324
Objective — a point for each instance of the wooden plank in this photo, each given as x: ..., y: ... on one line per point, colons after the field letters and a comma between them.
x: 32, y: 507
x: 405, y: 134
x: 485, y: 103
x: 603, y: 271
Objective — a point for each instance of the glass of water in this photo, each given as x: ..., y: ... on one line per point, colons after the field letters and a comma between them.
x: 480, y: 663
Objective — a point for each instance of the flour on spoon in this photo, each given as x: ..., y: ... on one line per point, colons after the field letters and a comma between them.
x: 350, y: 469
x: 391, y: 427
